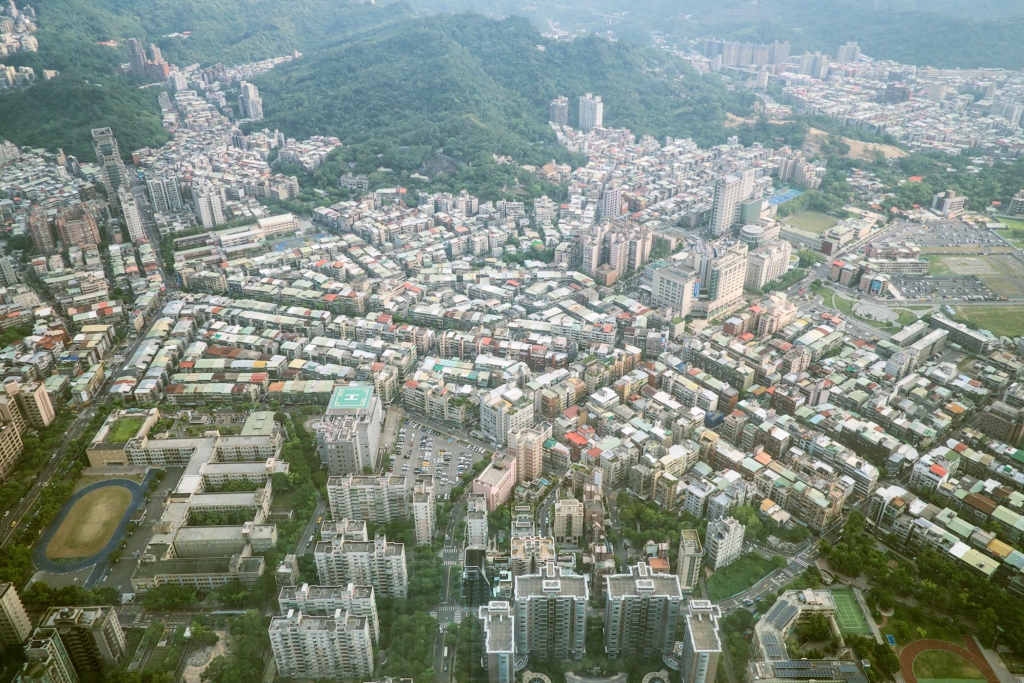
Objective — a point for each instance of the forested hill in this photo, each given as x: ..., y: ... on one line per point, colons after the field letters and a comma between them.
x: 941, y: 33
x: 473, y: 85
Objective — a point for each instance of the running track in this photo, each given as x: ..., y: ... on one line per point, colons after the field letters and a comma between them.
x: 972, y: 654
x: 138, y: 492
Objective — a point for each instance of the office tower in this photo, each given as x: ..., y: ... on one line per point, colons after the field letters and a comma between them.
x: 723, y: 269
x: 641, y: 612
x: 559, y: 111
x: 48, y: 660
x: 568, y: 521
x: 33, y: 402
x: 730, y: 192
x: 348, y: 435
x: 42, y: 233
x: 209, y: 204
x: 376, y: 563
x: 164, y: 192
x: 504, y: 409
x: 324, y: 601
x: 724, y: 542
x: 948, y: 204
x: 527, y: 447
x: 1002, y: 422
x: 675, y: 288
x: 338, y: 646
x: 476, y: 521
x: 250, y: 106
x: 375, y: 499
x: 702, y: 643
x: 499, y: 641
x: 611, y: 202
x: 591, y: 113
x: 551, y: 614
x: 11, y: 449
x: 689, y: 560
x: 108, y: 157
x: 92, y: 636
x: 132, y: 215
x: 8, y: 276
x: 77, y: 226
x: 424, y: 509
x: 137, y: 58
x: 15, y: 626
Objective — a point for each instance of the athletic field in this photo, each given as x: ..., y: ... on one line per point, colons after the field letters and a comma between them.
x: 848, y: 615
x: 90, y: 524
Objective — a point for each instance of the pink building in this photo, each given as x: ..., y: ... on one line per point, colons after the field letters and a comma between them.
x: 497, y: 482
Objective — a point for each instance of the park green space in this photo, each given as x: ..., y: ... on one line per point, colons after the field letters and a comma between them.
x: 908, y: 624
x: 90, y: 523
x: 738, y: 576
x: 811, y: 221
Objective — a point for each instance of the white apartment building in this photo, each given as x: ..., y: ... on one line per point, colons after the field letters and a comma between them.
x: 378, y: 500
x: 767, y: 264
x: 551, y: 614
x: 504, y: 409
x: 701, y: 647
x: 674, y: 288
x: 132, y: 215
x: 476, y: 522
x: 724, y: 542
x: 499, y: 641
x: 591, y: 113
x: 349, y: 431
x: 689, y: 560
x: 527, y: 447
x: 730, y: 192
x: 376, y: 563
x: 338, y: 646
x: 641, y: 613
x: 324, y: 601
x: 424, y: 509
x: 15, y: 625
x: 568, y: 521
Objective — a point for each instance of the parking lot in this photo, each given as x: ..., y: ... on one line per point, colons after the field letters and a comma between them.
x: 953, y: 235
x: 956, y: 287
x: 424, y: 450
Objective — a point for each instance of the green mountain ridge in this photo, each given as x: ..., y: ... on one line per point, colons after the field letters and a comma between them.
x: 474, y: 86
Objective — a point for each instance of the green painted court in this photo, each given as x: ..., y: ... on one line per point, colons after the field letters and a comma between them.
x: 353, y: 397
x: 848, y: 615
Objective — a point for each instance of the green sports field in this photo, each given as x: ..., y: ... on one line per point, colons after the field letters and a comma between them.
x: 848, y: 615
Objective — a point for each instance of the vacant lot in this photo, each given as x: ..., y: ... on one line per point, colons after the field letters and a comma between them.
x: 945, y: 666
x: 811, y: 221
x: 999, y: 320
x: 89, y: 524
x: 738, y: 576
x: 1002, y: 273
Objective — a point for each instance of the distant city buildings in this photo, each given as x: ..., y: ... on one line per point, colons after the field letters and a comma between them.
x: 591, y: 113
x: 250, y: 106
x: 559, y: 111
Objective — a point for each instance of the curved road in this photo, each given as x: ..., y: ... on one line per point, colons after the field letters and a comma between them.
x: 972, y: 655
x: 39, y: 557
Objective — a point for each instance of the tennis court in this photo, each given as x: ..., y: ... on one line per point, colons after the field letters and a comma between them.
x: 848, y: 615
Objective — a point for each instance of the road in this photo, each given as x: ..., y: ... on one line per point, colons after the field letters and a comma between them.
x: 449, y: 611
x: 307, y: 541
x: 773, y: 581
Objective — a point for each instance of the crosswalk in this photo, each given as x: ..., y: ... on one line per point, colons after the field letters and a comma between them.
x: 800, y: 562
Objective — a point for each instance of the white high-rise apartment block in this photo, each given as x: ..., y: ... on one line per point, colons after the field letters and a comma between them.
x: 674, y: 288
x: 341, y: 561
x: 701, y: 647
x: 164, y: 192
x: 641, y: 613
x: 568, y: 521
x: 527, y: 447
x: 250, y: 106
x: 730, y: 191
x: 108, y: 157
x: 848, y: 53
x: 424, y: 509
x: 591, y: 113
x: 559, y: 111
x: 338, y: 646
x: 378, y: 500
x: 348, y: 435
x: 689, y: 561
x: 324, y: 601
x: 132, y: 215
x: 551, y: 614
x: 767, y: 264
x: 209, y: 204
x: 504, y: 409
x: 15, y: 625
x: 476, y: 522
x: 611, y: 202
x: 724, y: 542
